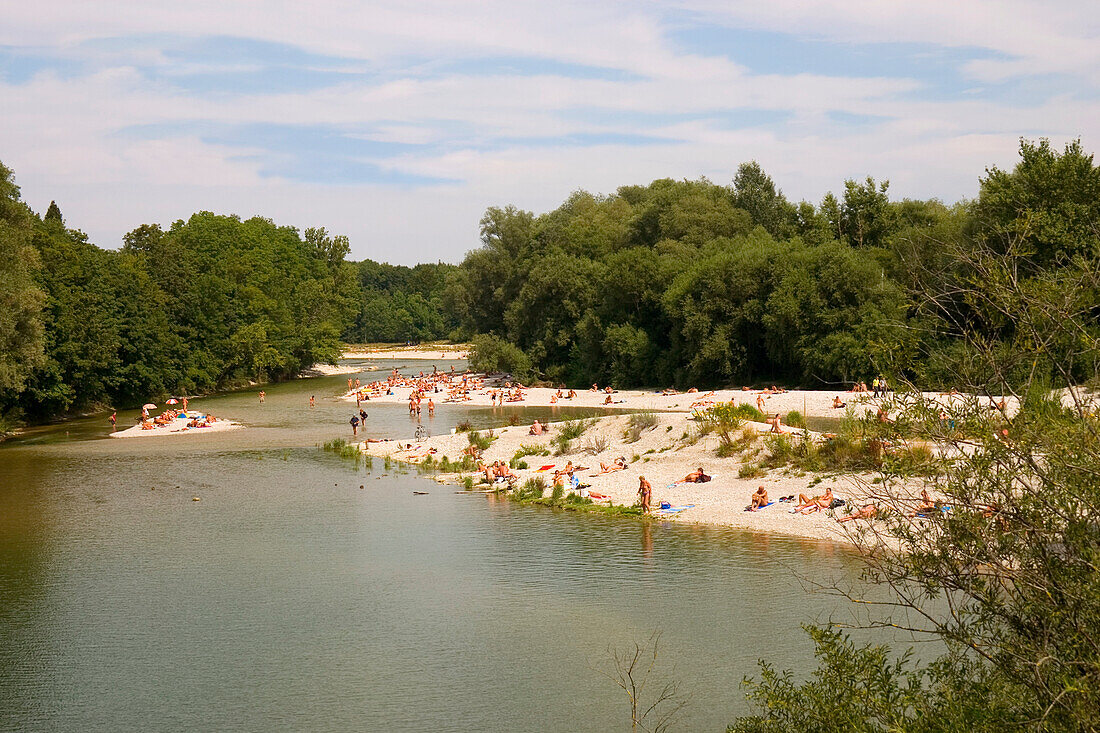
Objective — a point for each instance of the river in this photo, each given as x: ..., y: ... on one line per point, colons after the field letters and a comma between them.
x: 301, y: 593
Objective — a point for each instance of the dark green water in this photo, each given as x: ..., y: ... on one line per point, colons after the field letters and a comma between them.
x: 289, y: 598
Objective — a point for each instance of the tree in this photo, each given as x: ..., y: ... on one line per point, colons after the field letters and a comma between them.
x: 755, y: 192
x: 1006, y: 577
x: 866, y: 218
x: 1049, y: 204
x: 53, y: 213
x: 21, y: 333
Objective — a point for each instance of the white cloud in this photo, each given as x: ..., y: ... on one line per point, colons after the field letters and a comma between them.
x: 63, y: 134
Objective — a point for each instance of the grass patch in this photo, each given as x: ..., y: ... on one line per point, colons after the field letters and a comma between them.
x: 638, y: 423
x: 480, y: 441
x: 595, y: 445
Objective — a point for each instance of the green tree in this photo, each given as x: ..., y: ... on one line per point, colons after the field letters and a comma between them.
x: 21, y: 334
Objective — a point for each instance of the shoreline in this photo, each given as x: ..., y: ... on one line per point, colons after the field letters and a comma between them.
x: 444, y: 352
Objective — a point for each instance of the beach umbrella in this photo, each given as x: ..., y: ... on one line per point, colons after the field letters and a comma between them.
x: 172, y: 401
x: 148, y: 406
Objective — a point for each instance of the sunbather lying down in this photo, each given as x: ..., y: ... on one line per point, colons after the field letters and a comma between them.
x: 866, y: 512
x: 617, y: 465
x: 816, y: 504
x: 696, y: 477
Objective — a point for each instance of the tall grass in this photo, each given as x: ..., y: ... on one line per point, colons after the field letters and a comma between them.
x: 638, y: 423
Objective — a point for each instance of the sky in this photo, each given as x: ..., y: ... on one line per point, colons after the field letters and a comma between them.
x: 398, y: 124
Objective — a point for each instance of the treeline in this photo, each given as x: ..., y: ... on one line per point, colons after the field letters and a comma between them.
x: 696, y: 283
x: 210, y: 303
x: 401, y: 303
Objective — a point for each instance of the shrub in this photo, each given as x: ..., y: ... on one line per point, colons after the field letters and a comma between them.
x: 464, y: 427
x: 557, y: 494
x: 795, y: 419
x: 750, y: 470
x: 532, y: 488
x: 595, y: 445
x: 638, y: 423
x: 571, y: 429
x: 482, y: 442
x: 493, y: 354
x: 529, y: 449
x: 468, y: 483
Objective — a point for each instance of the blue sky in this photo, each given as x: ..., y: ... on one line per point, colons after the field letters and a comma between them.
x: 399, y: 126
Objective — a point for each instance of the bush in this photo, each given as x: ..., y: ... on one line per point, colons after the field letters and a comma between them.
x: 493, y: 354
x: 464, y: 427
x: 532, y: 488
x: 529, y: 449
x: 795, y: 419
x: 557, y: 494
x: 596, y: 445
x: 639, y: 422
x: 482, y: 442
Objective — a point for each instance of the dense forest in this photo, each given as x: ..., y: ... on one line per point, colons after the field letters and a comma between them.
x: 695, y: 283
x: 677, y: 282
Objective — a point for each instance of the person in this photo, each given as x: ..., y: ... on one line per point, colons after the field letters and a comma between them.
x: 312, y: 401
x: 926, y: 504
x: 536, y: 429
x: 760, y: 403
x: 696, y: 477
x: 617, y: 465
x: 838, y: 403
x: 868, y: 511
x: 759, y: 499
x: 262, y: 395
x: 431, y: 408
x: 645, y: 493
x: 363, y: 417
x: 806, y: 506
x: 595, y: 388
x: 354, y: 424
x: 607, y: 400
x: 776, y: 422
x: 113, y: 419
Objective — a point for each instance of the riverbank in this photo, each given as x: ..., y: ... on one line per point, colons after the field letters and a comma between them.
x: 440, y: 352
x: 664, y: 453
x: 176, y: 427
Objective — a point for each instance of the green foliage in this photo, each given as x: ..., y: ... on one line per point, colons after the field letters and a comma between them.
x: 638, y: 423
x: 482, y: 442
x: 795, y: 419
x: 21, y: 300
x: 493, y: 354
x: 530, y: 449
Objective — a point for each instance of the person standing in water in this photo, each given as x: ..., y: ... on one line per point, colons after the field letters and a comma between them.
x: 312, y: 402
x: 354, y: 424
x: 263, y: 395
x: 113, y: 419
x: 431, y: 408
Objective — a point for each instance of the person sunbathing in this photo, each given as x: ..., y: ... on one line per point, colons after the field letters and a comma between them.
x: 817, y: 503
x: 695, y: 477
x: 553, y: 399
x: 868, y: 511
x: 692, y: 390
x: 776, y: 422
x: 571, y: 395
x: 669, y: 392
x: 838, y: 403
x: 536, y: 429
x: 595, y: 388
x: 617, y: 465
x: 926, y: 504
x: 758, y: 500
x: 607, y: 400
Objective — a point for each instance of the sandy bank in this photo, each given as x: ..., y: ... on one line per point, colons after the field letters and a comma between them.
x: 456, y: 352
x: 812, y: 403
x: 176, y: 427
x: 663, y: 454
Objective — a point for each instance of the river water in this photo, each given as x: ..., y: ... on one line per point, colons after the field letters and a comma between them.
x: 301, y: 593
